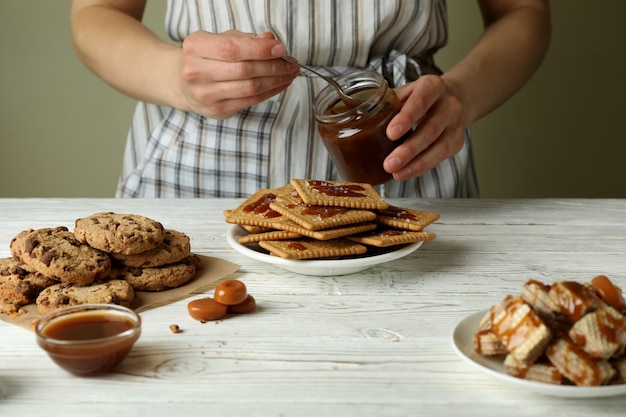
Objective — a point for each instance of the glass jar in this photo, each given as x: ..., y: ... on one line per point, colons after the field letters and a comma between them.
x: 355, y: 137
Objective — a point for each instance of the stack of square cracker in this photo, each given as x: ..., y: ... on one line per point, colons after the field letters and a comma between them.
x: 312, y: 219
x: 566, y: 333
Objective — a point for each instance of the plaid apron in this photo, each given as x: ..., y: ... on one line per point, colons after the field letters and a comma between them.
x: 171, y: 153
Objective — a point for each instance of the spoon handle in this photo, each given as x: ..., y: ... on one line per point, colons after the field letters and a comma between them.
x: 293, y: 61
x: 344, y: 97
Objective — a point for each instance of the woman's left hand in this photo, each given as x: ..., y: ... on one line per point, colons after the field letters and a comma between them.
x: 436, y: 111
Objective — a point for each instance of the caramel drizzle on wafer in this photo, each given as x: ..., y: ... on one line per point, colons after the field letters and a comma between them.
x: 574, y: 302
x: 589, y: 373
x: 514, y: 335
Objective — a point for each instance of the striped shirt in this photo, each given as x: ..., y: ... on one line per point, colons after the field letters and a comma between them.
x: 172, y: 153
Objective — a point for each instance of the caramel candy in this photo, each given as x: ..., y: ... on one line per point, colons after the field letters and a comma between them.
x: 231, y: 292
x: 247, y: 306
x: 206, y: 309
x: 609, y: 293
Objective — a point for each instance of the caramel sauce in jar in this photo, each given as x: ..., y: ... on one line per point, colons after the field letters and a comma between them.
x: 355, y: 137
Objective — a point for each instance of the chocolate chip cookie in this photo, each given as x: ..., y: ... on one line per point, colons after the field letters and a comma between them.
x: 119, y: 233
x: 66, y: 295
x: 159, y: 278
x: 18, y: 286
x: 55, y: 253
x: 174, y: 248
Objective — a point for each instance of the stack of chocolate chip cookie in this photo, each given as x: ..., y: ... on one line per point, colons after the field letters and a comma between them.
x: 105, y: 259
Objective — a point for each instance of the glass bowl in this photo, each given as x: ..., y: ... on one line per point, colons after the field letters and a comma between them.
x: 89, y: 339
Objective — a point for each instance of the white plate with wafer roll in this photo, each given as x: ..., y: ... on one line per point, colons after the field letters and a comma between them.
x: 462, y: 342
x: 319, y: 267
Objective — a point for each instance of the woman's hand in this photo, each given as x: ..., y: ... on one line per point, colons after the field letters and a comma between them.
x: 430, y: 104
x: 492, y: 71
x: 215, y: 75
x: 221, y: 74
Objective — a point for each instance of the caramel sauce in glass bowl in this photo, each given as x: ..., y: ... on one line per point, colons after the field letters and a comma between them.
x: 89, y: 339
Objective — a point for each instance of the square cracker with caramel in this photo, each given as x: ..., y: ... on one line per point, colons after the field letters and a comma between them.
x: 255, y: 211
x: 307, y: 248
x: 326, y: 234
x: 406, y: 218
x: 391, y: 237
x: 269, y: 235
x: 339, y: 193
x: 314, y: 217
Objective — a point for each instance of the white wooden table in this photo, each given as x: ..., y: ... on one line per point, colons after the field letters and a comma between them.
x: 373, y: 343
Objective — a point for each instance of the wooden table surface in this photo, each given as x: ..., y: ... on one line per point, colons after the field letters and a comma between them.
x: 372, y: 343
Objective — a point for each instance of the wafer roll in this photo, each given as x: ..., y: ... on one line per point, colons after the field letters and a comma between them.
x: 601, y: 333
x: 521, y: 330
x: 485, y: 322
x: 486, y: 343
x: 574, y: 299
x: 577, y: 366
x: 536, y: 294
x: 619, y: 365
x: 538, y: 371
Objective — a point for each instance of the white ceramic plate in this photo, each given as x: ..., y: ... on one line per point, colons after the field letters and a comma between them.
x: 463, y: 345
x: 319, y: 267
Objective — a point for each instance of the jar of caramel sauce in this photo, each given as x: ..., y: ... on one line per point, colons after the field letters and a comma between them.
x: 355, y: 136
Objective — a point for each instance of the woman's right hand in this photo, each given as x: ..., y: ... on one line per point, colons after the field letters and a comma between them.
x: 215, y: 75
x: 221, y: 74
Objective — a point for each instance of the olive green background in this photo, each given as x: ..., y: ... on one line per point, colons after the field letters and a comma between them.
x: 62, y: 130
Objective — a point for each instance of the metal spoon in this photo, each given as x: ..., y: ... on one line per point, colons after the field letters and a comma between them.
x: 348, y: 101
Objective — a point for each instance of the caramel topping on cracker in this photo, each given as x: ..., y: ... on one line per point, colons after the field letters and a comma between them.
x: 262, y: 206
x: 398, y: 212
x: 337, y: 190
x: 323, y: 212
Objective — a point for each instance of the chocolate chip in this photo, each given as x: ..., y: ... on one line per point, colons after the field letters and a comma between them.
x: 23, y: 288
x: 30, y: 245
x: 46, y: 257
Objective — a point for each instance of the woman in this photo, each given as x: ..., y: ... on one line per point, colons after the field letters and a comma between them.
x: 221, y: 115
